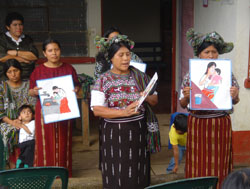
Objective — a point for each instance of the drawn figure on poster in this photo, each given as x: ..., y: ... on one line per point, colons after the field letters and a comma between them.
x: 216, y: 80
x: 59, y: 96
x: 208, y: 81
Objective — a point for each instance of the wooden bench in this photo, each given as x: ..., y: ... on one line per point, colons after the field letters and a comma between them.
x: 84, y: 102
x: 151, y: 53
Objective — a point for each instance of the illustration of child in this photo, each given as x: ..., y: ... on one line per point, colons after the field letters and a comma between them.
x: 216, y: 80
x: 26, y: 137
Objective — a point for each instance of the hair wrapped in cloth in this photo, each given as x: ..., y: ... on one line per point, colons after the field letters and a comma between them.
x: 196, y: 39
x: 153, y: 137
x: 103, y: 43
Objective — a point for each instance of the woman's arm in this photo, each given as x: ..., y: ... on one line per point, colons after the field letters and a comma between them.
x: 203, y: 80
x: 76, y: 89
x: 34, y: 92
x: 16, y: 122
x: 185, y: 100
x: 26, y: 55
x: 152, y: 99
x: 106, y: 112
x: 234, y: 92
x: 18, y: 58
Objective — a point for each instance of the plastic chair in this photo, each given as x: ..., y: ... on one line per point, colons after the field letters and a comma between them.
x: 190, y: 183
x: 2, y: 162
x: 33, y: 177
x: 171, y: 122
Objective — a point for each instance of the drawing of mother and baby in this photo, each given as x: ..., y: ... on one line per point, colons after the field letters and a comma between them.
x: 211, y: 81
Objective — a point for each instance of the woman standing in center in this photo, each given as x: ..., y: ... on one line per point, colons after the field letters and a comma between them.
x: 124, y: 153
x: 54, y: 140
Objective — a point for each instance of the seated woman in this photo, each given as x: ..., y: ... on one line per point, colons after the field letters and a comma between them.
x: 13, y: 94
x: 15, y: 45
x: 124, y: 156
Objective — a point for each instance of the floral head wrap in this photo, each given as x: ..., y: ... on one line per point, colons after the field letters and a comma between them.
x: 104, y: 44
x: 195, y: 40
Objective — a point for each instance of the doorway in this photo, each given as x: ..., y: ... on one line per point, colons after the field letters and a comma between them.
x: 146, y: 22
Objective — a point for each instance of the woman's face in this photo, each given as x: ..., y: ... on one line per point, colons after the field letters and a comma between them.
x: 113, y: 34
x: 15, y: 29
x: 211, y: 70
x: 13, y: 74
x: 52, y: 53
x: 121, y: 60
x: 209, y: 53
x: 56, y: 90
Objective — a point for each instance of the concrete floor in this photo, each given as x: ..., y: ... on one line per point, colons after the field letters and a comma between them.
x: 85, y: 160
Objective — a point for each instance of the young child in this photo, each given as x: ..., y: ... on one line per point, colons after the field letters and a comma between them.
x: 178, y: 138
x: 216, y: 78
x: 26, y: 137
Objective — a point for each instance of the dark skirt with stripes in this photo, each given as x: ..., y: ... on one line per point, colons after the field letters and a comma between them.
x: 124, y: 157
x: 209, y: 147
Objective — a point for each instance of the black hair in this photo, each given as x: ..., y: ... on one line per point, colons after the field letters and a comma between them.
x: 238, y: 179
x: 9, y: 63
x: 105, y: 65
x: 25, y: 106
x: 48, y: 41
x: 54, y: 87
x: 205, y: 45
x: 111, y: 30
x: 210, y: 64
x: 13, y: 16
x: 218, y: 70
x: 115, y: 47
x: 180, y: 122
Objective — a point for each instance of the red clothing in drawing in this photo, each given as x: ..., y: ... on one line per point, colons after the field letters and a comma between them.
x: 54, y: 140
x: 64, y: 108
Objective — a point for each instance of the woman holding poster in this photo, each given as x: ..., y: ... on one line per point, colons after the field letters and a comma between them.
x: 211, y: 131
x: 125, y: 143
x: 53, y: 140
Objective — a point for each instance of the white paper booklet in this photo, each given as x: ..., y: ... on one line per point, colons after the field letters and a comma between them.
x: 147, y: 90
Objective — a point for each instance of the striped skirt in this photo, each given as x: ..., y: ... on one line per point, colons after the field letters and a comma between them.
x: 209, y: 147
x: 124, y: 157
x: 53, y: 143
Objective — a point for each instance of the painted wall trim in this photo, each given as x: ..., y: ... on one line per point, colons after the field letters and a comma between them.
x: 173, y: 87
x: 241, y: 148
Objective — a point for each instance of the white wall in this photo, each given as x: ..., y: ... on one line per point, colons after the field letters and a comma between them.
x: 94, y: 28
x: 230, y: 18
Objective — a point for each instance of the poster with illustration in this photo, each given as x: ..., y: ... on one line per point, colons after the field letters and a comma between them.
x: 58, y: 100
x: 210, y: 84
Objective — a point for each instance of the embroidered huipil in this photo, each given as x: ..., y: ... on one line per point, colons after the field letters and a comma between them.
x: 116, y: 91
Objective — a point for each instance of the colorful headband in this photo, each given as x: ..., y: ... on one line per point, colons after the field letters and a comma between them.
x: 104, y: 44
x: 196, y: 39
